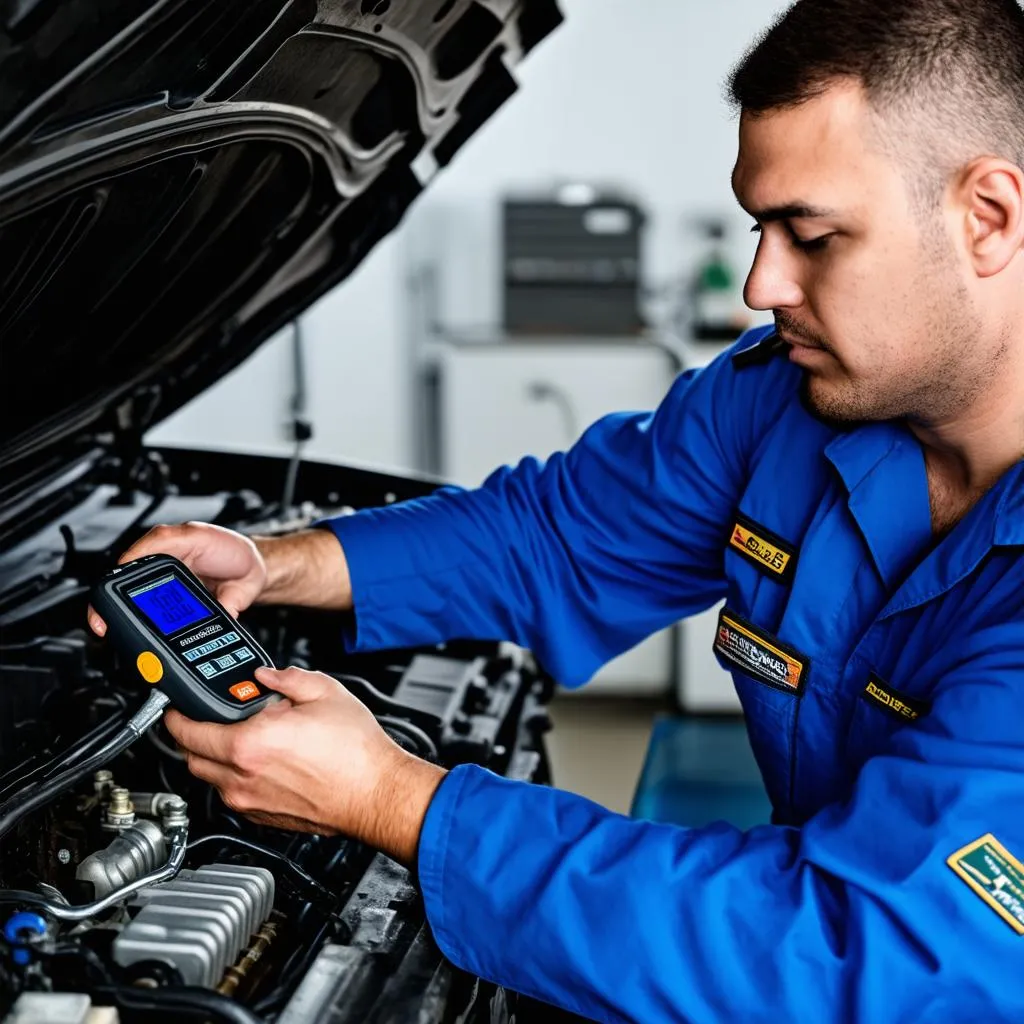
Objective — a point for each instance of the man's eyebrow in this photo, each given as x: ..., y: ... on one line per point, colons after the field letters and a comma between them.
x: 791, y: 211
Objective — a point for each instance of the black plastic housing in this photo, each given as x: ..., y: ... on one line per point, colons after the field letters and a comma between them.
x: 214, y: 644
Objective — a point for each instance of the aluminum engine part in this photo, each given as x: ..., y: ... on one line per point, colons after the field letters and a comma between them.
x: 199, y: 922
x: 158, y: 805
x: 134, y: 853
x: 59, y: 1008
x: 120, y: 812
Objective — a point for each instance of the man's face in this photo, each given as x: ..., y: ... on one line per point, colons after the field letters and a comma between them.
x: 869, y: 290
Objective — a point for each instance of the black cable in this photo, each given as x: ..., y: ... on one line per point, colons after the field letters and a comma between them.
x: 162, y: 774
x: 211, y: 795
x: 79, y: 951
x: 28, y: 645
x: 340, y: 853
x: 67, y: 756
x: 163, y: 748
x: 189, y: 1000
x: 29, y: 799
x: 303, y: 961
x: 381, y: 704
x: 303, y: 876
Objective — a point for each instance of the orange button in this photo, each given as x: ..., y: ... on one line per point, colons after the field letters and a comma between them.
x: 244, y: 691
x: 150, y: 667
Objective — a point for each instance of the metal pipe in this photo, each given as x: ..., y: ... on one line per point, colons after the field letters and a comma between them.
x: 138, y: 850
x: 179, y: 841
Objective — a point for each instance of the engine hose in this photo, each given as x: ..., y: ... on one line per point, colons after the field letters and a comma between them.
x: 89, y: 958
x: 67, y: 757
x: 29, y: 798
x: 181, y: 1001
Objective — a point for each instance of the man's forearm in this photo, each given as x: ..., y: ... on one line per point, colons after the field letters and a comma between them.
x: 393, y: 819
x: 307, y: 569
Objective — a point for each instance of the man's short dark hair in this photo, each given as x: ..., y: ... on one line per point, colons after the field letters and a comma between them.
x: 946, y: 75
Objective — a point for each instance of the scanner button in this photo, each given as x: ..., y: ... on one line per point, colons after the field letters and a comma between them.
x: 150, y: 667
x: 244, y: 691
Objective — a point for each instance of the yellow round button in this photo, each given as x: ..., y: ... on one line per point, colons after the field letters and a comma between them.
x: 150, y: 667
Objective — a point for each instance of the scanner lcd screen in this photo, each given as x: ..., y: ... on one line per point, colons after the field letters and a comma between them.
x: 169, y: 604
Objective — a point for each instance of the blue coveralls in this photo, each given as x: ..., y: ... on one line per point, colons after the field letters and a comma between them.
x: 882, y: 678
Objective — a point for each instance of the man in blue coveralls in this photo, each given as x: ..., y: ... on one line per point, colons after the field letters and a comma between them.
x: 854, y: 488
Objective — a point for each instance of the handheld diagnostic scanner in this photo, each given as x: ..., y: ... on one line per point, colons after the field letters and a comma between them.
x: 167, y: 625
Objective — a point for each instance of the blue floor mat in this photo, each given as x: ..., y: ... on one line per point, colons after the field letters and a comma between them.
x: 698, y: 771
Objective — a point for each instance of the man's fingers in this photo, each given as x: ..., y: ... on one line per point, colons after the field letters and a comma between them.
x: 207, y: 739
x: 96, y: 624
x: 298, y: 685
x: 234, y: 598
x: 168, y: 540
x: 220, y: 776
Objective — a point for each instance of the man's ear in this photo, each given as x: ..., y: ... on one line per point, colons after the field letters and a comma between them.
x: 991, y: 193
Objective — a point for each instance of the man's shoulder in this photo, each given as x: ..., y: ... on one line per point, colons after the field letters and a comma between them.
x: 752, y: 379
x: 756, y: 356
x: 750, y: 396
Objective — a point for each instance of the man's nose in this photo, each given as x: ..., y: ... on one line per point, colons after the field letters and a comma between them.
x: 772, y: 282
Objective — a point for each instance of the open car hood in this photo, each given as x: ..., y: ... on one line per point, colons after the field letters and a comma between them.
x: 179, y: 178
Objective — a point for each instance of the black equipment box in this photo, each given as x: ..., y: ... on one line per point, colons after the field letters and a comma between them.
x: 572, y: 268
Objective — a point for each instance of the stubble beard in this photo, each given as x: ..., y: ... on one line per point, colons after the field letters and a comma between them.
x: 929, y: 387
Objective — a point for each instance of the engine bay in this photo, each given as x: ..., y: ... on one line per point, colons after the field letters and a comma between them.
x: 142, y: 896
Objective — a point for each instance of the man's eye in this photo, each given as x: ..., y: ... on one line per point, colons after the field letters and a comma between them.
x: 804, y: 245
x: 812, y: 244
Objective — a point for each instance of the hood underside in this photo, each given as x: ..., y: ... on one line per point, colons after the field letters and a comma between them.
x: 178, y: 179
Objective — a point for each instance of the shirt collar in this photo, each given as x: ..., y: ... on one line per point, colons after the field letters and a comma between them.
x: 1009, y: 530
x: 883, y: 469
x: 882, y: 466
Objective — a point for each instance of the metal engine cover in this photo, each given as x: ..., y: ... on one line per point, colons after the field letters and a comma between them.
x: 199, y: 922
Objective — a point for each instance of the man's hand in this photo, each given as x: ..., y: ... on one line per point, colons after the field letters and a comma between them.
x: 228, y: 564
x: 316, y: 762
x: 306, y: 568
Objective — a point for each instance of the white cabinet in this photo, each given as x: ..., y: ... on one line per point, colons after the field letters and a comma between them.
x: 501, y: 402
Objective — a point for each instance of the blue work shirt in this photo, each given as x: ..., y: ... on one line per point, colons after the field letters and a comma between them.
x: 882, y: 679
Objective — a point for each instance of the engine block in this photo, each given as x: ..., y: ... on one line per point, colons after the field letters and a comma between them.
x: 199, y: 922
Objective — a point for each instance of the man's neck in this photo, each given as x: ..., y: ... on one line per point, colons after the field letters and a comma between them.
x: 965, y: 455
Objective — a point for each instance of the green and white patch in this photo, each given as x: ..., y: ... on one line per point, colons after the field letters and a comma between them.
x: 995, y: 875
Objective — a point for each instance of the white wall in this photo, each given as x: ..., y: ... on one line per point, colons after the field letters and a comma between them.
x: 627, y: 92
x: 355, y: 340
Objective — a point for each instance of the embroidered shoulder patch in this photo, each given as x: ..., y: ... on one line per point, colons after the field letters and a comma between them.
x: 759, y: 654
x: 995, y: 875
x: 880, y: 693
x: 768, y: 551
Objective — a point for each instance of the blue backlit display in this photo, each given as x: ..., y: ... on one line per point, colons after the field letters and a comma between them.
x: 169, y: 605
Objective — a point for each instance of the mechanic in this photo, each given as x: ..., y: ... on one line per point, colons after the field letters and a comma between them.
x: 857, y: 496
